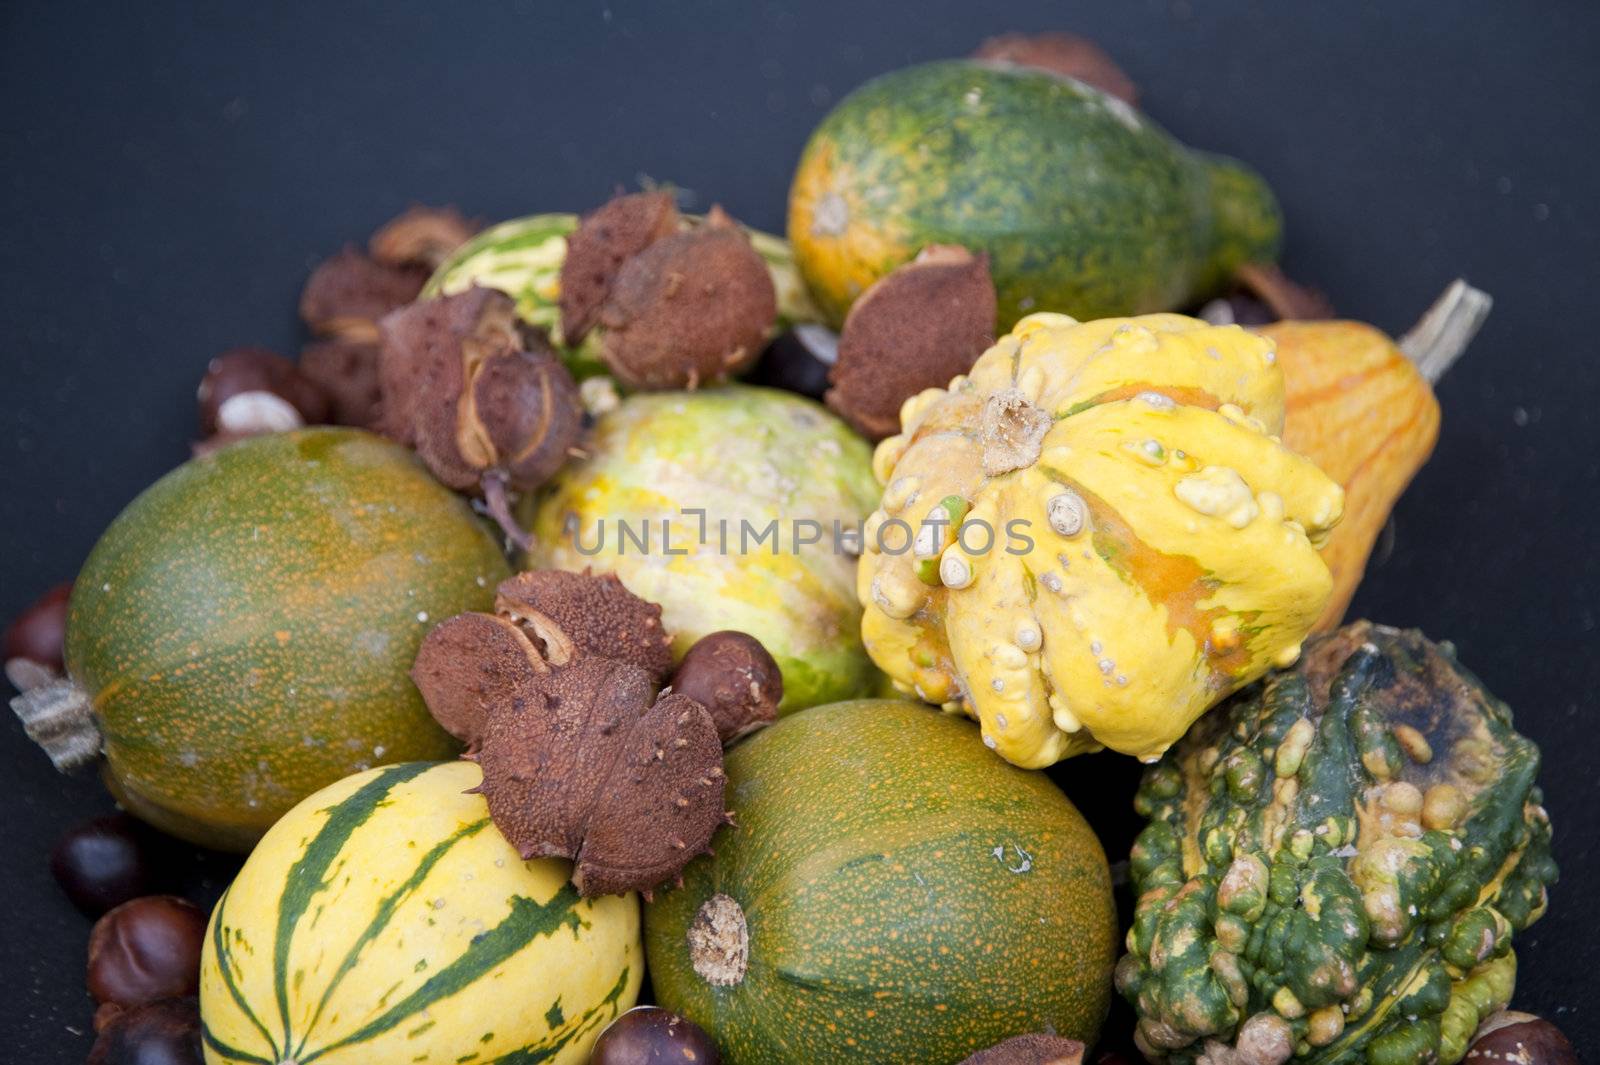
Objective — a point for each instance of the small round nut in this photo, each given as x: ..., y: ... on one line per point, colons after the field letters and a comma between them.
x: 646, y: 1035
x: 1513, y: 1038
x: 146, y: 949
x: 34, y: 640
x: 734, y: 677
x: 161, y: 1033
x: 251, y: 390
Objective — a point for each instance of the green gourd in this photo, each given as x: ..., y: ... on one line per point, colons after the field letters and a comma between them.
x: 1336, y: 862
x: 241, y: 634
x: 891, y: 892
x: 1083, y: 205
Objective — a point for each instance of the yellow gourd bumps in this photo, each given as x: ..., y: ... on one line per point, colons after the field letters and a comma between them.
x: 1095, y: 535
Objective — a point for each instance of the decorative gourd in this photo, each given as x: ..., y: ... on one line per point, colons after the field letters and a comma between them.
x: 240, y: 635
x: 759, y: 488
x: 1335, y: 863
x: 384, y: 919
x: 891, y: 893
x: 1082, y: 204
x: 1124, y: 539
x: 1362, y: 408
x: 523, y: 257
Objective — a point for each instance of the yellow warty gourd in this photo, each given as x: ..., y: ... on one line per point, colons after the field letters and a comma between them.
x: 1095, y: 535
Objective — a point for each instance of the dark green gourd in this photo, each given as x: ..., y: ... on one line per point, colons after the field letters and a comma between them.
x: 1335, y: 863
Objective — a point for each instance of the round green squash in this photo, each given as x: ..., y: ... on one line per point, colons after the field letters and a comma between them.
x: 741, y: 477
x: 892, y: 892
x: 386, y: 920
x: 1083, y: 205
x: 245, y: 627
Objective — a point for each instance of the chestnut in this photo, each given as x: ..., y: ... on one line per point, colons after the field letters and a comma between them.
x: 103, y: 863
x: 1520, y: 1039
x: 146, y: 949
x: 732, y: 675
x: 33, y: 642
x: 791, y: 364
x: 158, y: 1033
x: 650, y: 1035
x: 252, y: 390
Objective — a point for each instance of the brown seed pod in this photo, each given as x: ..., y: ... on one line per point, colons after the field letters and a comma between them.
x: 481, y: 412
x: 247, y: 391
x: 603, y: 241
x: 916, y: 328
x: 422, y: 236
x: 1035, y: 1049
x: 469, y: 662
x: 693, y: 308
x: 731, y: 675
x: 588, y: 769
x: 347, y: 373
x: 347, y: 294
x: 1065, y: 54
x: 581, y: 614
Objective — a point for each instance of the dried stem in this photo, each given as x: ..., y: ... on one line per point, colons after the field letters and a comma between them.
x: 60, y: 718
x: 1443, y: 333
x: 497, y: 502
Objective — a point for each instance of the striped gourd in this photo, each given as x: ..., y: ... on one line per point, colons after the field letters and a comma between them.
x: 385, y: 919
x: 523, y: 258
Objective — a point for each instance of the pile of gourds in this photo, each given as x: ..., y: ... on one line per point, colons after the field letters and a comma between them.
x: 1118, y: 518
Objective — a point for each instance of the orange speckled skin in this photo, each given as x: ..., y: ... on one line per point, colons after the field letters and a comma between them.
x: 246, y: 625
x: 909, y: 897
x: 1359, y: 409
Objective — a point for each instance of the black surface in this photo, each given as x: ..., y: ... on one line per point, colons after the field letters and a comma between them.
x: 170, y: 172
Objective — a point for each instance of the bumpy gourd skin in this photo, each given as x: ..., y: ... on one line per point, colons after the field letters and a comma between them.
x: 1335, y: 864
x: 1154, y: 542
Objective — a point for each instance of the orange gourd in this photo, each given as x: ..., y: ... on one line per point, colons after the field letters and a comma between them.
x: 1361, y: 406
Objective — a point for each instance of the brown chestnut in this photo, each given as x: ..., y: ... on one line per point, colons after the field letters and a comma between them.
x: 103, y: 863
x: 146, y: 949
x: 34, y: 640
x: 649, y: 1035
x: 159, y: 1033
x: 1520, y: 1039
x: 789, y: 363
x: 252, y: 390
x: 732, y: 675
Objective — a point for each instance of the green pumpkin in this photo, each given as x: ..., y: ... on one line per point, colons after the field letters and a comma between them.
x: 709, y: 461
x: 245, y: 627
x: 891, y: 892
x: 523, y: 258
x: 1083, y: 205
x: 1336, y: 862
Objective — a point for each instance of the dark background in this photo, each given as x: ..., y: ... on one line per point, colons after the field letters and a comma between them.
x: 171, y: 172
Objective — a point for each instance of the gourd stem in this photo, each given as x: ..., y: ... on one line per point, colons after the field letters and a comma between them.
x: 498, y: 503
x: 60, y: 718
x: 1443, y: 333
